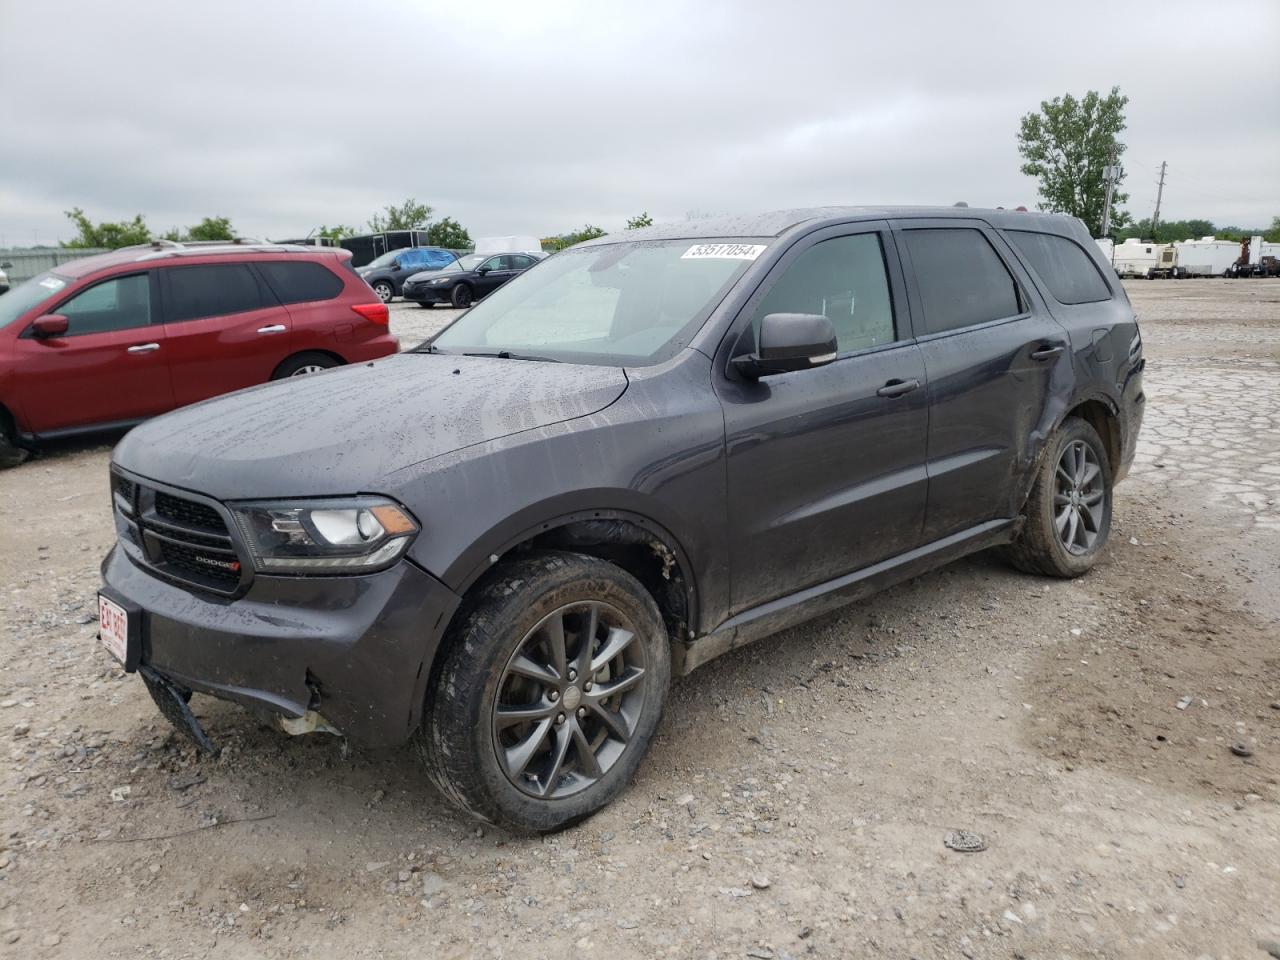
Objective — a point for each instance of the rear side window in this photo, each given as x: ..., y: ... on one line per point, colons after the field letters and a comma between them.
x: 1065, y: 269
x: 300, y: 281
x: 213, y: 291
x: 961, y: 278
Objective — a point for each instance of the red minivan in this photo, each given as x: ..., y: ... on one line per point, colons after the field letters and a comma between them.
x: 104, y: 342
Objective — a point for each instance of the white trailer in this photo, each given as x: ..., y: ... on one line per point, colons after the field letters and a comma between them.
x: 1207, y: 257
x: 1107, y: 246
x: 1137, y: 258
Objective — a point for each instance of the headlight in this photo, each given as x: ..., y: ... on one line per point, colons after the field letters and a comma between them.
x: 440, y: 280
x: 356, y: 535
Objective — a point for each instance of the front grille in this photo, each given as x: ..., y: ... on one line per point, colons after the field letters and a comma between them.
x: 179, y: 538
x: 188, y: 513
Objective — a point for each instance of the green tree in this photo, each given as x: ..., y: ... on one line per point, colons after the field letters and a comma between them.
x: 448, y: 233
x: 125, y: 233
x: 1273, y: 235
x: 589, y: 232
x: 212, y: 228
x: 1066, y: 145
x: 336, y: 233
x: 643, y: 220
x: 410, y: 215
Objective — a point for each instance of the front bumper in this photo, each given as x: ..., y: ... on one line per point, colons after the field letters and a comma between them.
x: 357, y: 649
x: 426, y: 293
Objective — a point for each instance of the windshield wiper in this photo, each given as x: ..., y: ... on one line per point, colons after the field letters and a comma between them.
x: 508, y: 355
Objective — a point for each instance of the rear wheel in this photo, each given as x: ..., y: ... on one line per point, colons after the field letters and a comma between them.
x: 302, y: 364
x: 384, y: 290
x: 1068, y: 514
x: 461, y: 296
x: 10, y: 453
x: 548, y: 692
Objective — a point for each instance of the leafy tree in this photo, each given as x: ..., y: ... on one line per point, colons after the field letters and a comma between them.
x: 125, y: 233
x: 448, y: 233
x: 1273, y: 235
x: 589, y: 232
x: 211, y: 228
x: 1066, y: 145
x: 336, y: 233
x: 410, y: 215
x: 643, y: 220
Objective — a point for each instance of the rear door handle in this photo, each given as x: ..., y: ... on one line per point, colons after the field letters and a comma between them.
x: 274, y: 328
x: 144, y: 348
x: 1046, y: 352
x: 896, y: 388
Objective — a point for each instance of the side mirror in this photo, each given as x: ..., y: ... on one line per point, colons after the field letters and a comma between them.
x: 482, y: 270
x: 789, y: 341
x: 50, y: 325
x: 395, y: 264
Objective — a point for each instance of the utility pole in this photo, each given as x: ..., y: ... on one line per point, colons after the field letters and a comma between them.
x: 1110, y: 173
x: 1155, y: 220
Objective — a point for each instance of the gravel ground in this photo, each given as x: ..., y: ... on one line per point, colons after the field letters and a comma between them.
x: 797, y: 797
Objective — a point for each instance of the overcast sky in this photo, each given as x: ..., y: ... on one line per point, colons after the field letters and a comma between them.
x: 539, y: 116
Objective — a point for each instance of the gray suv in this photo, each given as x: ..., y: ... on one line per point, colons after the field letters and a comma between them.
x: 647, y: 450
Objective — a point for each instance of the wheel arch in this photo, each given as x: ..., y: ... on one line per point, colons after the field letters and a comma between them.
x: 1103, y: 414
x: 638, y: 544
x: 332, y: 355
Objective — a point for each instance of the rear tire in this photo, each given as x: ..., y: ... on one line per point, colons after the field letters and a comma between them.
x: 303, y: 364
x: 518, y: 645
x: 1068, y: 514
x: 461, y: 296
x: 11, y: 455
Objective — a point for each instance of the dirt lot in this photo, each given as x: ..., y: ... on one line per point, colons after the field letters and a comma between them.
x: 797, y: 798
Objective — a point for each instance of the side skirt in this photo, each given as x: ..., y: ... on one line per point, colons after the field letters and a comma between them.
x: 769, y: 618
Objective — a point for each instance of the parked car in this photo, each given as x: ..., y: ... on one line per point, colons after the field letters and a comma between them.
x: 387, y: 273
x: 469, y: 278
x: 107, y: 341
x: 4, y: 277
x: 654, y: 448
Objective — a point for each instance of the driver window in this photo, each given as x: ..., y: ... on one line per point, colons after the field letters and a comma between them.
x: 843, y: 279
x: 118, y: 304
x: 496, y: 263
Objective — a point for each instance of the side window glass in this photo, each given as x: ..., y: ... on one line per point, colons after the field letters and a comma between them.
x: 1062, y: 265
x: 300, y: 281
x: 961, y: 278
x: 496, y: 263
x: 521, y: 263
x: 843, y: 279
x: 118, y: 304
x: 212, y: 291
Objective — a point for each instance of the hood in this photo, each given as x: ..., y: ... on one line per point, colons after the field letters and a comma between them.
x: 432, y: 272
x: 341, y: 431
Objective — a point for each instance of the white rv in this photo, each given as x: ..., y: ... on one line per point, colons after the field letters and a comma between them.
x: 1207, y: 257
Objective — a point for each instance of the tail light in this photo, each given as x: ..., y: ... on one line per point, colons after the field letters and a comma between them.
x: 373, y: 312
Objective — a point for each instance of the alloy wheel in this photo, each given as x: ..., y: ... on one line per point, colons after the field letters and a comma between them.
x: 569, y: 700
x: 384, y: 292
x: 307, y: 368
x: 1079, y: 497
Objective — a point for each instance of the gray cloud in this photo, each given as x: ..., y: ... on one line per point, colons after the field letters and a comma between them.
x: 537, y: 118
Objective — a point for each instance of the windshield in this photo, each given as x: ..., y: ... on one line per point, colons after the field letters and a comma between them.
x: 26, y: 295
x: 384, y: 260
x: 469, y: 262
x: 621, y: 304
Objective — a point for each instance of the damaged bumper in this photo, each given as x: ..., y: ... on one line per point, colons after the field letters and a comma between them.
x: 350, y: 654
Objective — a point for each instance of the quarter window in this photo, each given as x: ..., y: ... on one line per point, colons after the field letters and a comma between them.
x: 1065, y: 268
x: 844, y: 280
x: 961, y: 278
x: 121, y: 303
x: 214, y: 290
x: 300, y: 281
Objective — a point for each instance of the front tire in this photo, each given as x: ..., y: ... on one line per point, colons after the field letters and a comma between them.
x: 384, y: 290
x: 548, y: 692
x: 1068, y: 514
x: 11, y: 455
x: 461, y: 296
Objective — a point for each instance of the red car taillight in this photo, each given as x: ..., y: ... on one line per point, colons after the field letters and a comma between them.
x: 373, y: 312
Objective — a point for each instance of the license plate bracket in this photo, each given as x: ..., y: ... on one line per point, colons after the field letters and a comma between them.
x: 120, y: 628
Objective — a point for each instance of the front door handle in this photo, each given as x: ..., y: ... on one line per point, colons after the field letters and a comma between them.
x: 896, y: 388
x: 274, y: 328
x: 1047, y: 352
x: 144, y: 348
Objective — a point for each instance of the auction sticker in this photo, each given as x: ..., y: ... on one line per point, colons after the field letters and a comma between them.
x: 723, y: 251
x: 53, y: 283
